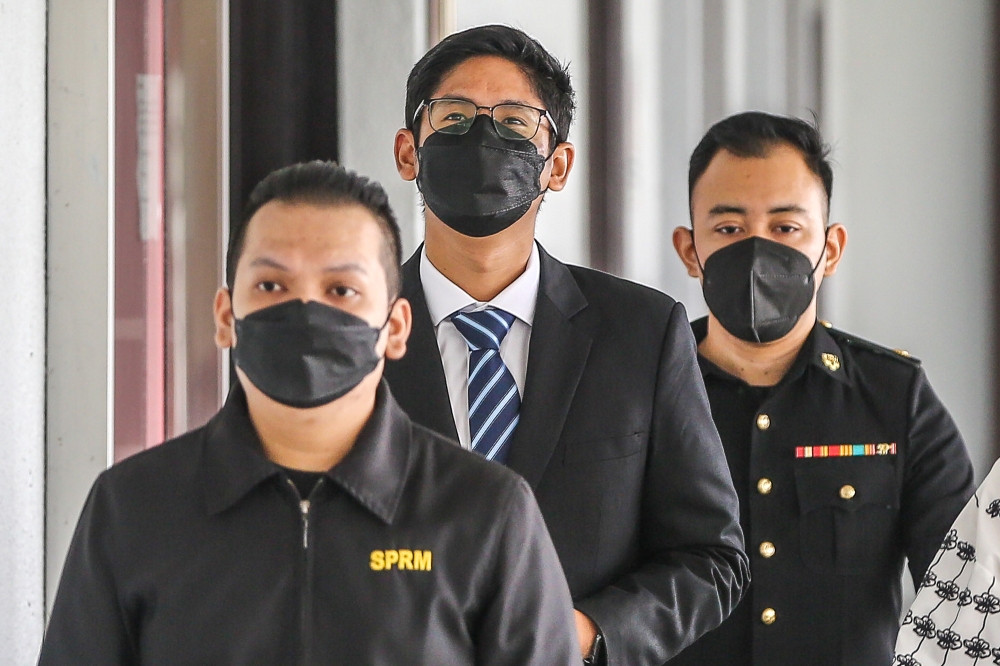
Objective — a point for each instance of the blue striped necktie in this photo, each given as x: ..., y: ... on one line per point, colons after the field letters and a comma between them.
x: 493, y: 399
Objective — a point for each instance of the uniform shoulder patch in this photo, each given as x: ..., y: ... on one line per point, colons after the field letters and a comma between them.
x: 867, y: 345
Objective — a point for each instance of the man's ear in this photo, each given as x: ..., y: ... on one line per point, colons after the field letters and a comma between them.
x: 836, y: 241
x: 225, y: 335
x: 684, y: 245
x: 405, y: 150
x: 399, y: 325
x: 562, y: 163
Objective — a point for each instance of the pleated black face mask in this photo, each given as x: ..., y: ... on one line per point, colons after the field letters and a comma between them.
x: 479, y: 183
x: 305, y: 354
x: 758, y: 288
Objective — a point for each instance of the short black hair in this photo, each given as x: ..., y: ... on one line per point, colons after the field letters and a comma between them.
x: 323, y: 184
x: 549, y: 78
x: 754, y: 134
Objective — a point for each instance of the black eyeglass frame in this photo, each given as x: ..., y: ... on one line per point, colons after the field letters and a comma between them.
x: 544, y: 114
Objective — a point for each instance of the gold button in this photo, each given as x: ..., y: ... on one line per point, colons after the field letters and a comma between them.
x: 847, y: 492
x: 763, y: 422
x: 768, y: 616
x: 825, y: 323
x: 902, y: 352
x: 764, y: 486
x: 766, y: 549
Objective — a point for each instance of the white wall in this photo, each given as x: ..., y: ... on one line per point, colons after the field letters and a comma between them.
x: 561, y: 27
x: 378, y: 43
x: 22, y: 328
x: 79, y: 389
x: 908, y: 110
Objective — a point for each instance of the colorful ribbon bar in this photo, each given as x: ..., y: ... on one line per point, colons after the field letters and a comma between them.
x: 845, y: 450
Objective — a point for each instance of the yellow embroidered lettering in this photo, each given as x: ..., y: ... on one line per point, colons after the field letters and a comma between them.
x: 391, y: 557
x: 406, y: 559
x: 378, y: 560
x: 422, y: 560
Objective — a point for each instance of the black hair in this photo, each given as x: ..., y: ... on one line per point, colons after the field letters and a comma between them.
x: 754, y: 134
x: 323, y: 184
x: 549, y: 78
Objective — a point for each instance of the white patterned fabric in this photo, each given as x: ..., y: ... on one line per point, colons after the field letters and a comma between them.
x: 955, y: 619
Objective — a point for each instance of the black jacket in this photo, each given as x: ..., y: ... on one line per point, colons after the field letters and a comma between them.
x: 616, y: 439
x: 410, y: 551
x: 838, y: 526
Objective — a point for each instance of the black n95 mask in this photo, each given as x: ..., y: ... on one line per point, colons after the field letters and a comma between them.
x: 758, y: 288
x: 479, y: 183
x: 305, y: 354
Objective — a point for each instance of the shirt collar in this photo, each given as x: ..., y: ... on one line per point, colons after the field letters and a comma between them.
x: 820, y: 350
x: 373, y: 471
x: 445, y: 298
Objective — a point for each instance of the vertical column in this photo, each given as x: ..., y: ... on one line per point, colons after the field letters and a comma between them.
x: 377, y: 44
x: 22, y: 328
x: 640, y: 127
x: 80, y: 243
x: 606, y: 36
x: 683, y: 92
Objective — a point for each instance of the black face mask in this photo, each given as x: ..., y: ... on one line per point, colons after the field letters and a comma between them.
x: 305, y: 354
x: 758, y: 288
x: 479, y: 183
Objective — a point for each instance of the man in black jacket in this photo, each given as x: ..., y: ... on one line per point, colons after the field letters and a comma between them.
x: 844, y: 459
x: 311, y: 522
x: 585, y: 384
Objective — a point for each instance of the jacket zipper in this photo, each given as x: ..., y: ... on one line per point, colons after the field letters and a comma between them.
x: 305, y: 614
x: 304, y: 508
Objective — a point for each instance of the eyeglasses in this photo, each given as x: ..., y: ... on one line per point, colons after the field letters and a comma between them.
x: 512, y: 121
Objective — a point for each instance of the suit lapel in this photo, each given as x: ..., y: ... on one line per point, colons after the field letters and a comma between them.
x: 417, y: 380
x: 557, y: 355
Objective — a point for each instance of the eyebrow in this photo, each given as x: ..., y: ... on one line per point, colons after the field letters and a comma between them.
x: 724, y: 209
x: 335, y: 268
x: 503, y: 101
x: 790, y: 208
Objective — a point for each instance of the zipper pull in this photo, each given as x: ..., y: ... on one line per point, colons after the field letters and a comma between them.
x: 304, y: 508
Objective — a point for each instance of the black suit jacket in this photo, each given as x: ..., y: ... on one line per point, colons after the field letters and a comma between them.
x: 617, y: 441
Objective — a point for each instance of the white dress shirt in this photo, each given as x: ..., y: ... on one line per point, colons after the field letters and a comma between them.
x: 444, y: 298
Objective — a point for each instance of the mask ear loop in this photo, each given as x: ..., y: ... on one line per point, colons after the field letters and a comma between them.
x: 388, y: 316
x: 695, y: 246
x: 826, y: 238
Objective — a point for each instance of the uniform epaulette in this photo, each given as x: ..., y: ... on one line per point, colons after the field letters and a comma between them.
x: 860, y: 343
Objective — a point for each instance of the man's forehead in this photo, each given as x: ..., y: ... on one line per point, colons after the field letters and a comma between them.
x: 488, y: 80
x: 780, y: 172
x: 313, y: 227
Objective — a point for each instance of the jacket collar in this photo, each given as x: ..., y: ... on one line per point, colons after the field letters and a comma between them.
x: 820, y: 351
x: 561, y: 337
x: 373, y: 472
x: 418, y: 378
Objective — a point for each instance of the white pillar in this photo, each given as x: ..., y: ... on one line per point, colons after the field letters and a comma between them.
x: 22, y: 328
x: 80, y: 380
x: 683, y: 109
x: 377, y: 44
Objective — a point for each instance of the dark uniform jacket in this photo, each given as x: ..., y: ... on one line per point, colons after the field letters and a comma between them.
x: 828, y: 528
x: 616, y: 438
x: 409, y: 551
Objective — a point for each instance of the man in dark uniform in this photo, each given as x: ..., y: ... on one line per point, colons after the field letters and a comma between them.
x: 311, y: 522
x: 844, y: 459
x: 585, y: 384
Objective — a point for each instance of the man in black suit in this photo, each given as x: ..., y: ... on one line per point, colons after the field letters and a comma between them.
x: 585, y: 384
